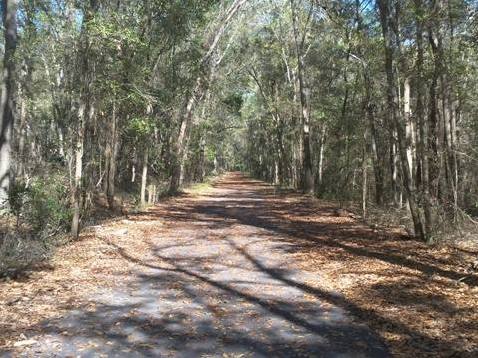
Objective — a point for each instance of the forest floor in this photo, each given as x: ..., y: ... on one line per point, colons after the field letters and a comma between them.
x: 241, y: 269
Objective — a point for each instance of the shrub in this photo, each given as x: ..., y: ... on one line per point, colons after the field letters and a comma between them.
x: 47, y: 208
x: 17, y: 251
x: 42, y: 205
x: 42, y: 208
x: 17, y: 196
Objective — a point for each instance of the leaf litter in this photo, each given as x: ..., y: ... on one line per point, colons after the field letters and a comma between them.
x: 422, y: 300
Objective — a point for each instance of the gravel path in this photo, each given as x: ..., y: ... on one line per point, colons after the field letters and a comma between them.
x: 218, y: 281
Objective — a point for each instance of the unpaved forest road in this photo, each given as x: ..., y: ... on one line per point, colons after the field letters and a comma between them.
x: 217, y: 280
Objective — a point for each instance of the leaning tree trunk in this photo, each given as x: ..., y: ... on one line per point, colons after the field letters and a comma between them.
x: 180, y: 148
x: 9, y: 9
x: 397, y: 122
x: 179, y: 151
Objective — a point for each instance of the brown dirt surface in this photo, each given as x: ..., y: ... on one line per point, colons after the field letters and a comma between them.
x: 243, y: 269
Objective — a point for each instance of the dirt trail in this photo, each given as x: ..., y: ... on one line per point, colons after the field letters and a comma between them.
x: 200, y: 276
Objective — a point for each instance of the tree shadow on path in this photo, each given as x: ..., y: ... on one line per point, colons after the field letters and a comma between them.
x: 219, y: 279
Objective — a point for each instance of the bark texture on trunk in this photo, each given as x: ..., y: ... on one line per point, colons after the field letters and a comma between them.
x: 79, y: 150
x: 307, y: 180
x: 423, y: 133
x: 111, y: 158
x: 144, y: 177
x: 9, y: 10
x: 386, y: 19
x: 86, y: 112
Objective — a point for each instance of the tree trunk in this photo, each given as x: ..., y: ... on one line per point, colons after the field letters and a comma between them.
x: 9, y: 10
x: 393, y: 107
x: 410, y: 128
x: 21, y: 133
x: 307, y: 179
x: 186, y: 116
x: 112, y: 154
x: 394, y: 166
x: 85, y: 114
x: 144, y: 178
x: 364, y: 175
x: 202, y: 158
x: 77, y: 188
x: 422, y: 122
x: 181, y: 143
x: 150, y: 194
x: 320, y: 158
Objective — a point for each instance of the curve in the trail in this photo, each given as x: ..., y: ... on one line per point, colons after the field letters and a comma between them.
x: 219, y: 281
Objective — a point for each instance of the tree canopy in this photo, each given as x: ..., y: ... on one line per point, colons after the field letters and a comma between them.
x: 362, y: 101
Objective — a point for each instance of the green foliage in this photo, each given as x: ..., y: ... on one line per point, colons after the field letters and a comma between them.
x: 48, y: 206
x: 145, y: 57
x: 42, y: 210
x: 43, y: 205
x: 17, y: 196
x: 141, y: 127
x: 234, y: 102
x: 113, y: 34
x: 211, y: 154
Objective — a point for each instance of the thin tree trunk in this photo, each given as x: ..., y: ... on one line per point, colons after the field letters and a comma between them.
x: 181, y: 143
x: 376, y: 160
x: 370, y: 113
x: 409, y: 127
x: 144, y: 178
x: 320, y: 164
x: 433, y: 122
x: 394, y: 166
x: 21, y: 136
x: 453, y: 114
x: 422, y: 122
x: 77, y: 185
x: 150, y: 194
x: 85, y: 114
x: 180, y: 147
x: 202, y: 158
x: 453, y: 155
x: 364, y: 175
x: 307, y: 171
x: 111, y: 159
x: 385, y: 17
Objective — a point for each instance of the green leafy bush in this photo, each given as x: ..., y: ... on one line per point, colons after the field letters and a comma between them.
x: 43, y: 205
x: 42, y: 212
x: 17, y: 196
x: 47, y: 209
